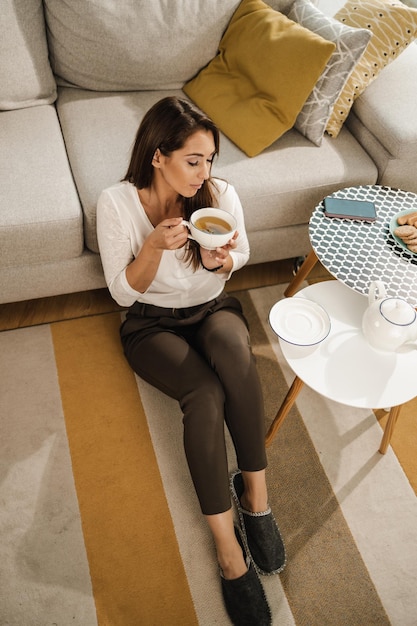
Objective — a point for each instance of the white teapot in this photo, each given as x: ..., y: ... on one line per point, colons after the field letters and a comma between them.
x: 388, y: 322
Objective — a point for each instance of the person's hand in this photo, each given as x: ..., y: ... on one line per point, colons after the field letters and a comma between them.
x: 170, y: 234
x: 219, y: 256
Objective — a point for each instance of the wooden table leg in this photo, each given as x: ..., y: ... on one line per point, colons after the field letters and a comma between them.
x: 389, y: 428
x: 285, y: 407
x: 302, y: 273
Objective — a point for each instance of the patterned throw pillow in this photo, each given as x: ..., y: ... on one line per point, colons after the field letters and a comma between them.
x: 393, y: 26
x: 350, y: 45
x: 265, y: 70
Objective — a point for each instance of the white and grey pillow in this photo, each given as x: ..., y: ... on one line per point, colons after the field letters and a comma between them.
x: 350, y: 45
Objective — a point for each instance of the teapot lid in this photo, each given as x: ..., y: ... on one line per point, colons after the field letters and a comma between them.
x: 398, y: 311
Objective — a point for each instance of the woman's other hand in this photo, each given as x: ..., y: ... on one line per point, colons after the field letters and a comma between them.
x: 219, y: 256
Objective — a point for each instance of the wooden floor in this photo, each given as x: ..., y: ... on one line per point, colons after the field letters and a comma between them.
x: 70, y: 306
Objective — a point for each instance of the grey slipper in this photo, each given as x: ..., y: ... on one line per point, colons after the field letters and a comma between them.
x: 260, y: 533
x: 244, y: 597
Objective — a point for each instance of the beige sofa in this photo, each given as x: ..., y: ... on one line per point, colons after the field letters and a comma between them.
x: 75, y: 80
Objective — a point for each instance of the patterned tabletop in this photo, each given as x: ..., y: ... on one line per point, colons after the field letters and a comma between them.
x: 357, y: 252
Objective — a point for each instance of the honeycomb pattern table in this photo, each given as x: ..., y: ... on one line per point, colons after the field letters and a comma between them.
x: 357, y: 252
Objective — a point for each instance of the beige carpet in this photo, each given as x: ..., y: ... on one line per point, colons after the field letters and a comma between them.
x: 99, y: 522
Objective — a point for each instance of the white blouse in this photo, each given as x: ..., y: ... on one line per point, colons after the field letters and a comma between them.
x: 123, y: 226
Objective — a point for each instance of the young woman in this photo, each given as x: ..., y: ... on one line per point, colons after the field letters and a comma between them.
x: 187, y: 337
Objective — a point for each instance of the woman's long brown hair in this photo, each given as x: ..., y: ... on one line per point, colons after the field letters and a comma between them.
x: 167, y: 125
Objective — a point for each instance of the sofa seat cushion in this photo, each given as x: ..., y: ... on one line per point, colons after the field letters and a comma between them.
x: 40, y: 214
x: 277, y: 188
x: 99, y: 130
x: 393, y: 121
x: 109, y: 45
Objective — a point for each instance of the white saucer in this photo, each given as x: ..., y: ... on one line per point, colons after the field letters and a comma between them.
x: 299, y: 321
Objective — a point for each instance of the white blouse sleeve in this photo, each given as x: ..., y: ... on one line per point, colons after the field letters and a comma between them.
x: 115, y: 244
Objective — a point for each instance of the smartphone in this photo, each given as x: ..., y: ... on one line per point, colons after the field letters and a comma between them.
x: 350, y: 209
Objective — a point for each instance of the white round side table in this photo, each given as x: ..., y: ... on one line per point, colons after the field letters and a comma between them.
x: 344, y: 367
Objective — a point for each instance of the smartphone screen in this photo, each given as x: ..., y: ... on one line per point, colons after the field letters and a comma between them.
x: 350, y: 209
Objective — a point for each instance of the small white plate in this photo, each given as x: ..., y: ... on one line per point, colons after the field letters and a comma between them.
x: 299, y: 321
x: 394, y: 224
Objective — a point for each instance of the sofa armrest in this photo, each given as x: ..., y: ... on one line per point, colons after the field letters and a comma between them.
x: 387, y: 108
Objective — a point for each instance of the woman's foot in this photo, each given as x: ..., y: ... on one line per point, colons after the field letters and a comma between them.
x: 242, y: 590
x: 259, y: 531
x: 244, y: 597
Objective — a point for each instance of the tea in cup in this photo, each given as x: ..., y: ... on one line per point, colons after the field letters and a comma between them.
x: 211, y: 228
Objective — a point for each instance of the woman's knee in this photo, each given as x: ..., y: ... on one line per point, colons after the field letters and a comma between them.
x: 204, y: 399
x: 227, y: 336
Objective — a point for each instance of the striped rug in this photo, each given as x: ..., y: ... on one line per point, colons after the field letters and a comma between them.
x: 99, y: 522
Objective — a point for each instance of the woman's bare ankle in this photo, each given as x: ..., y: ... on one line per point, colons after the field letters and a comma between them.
x: 255, y: 495
x: 254, y: 505
x: 229, y: 552
x: 232, y: 564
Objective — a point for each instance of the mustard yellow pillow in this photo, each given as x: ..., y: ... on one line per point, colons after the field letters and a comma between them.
x: 265, y: 70
x: 393, y: 26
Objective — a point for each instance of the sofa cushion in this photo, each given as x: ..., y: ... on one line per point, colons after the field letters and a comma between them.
x: 99, y: 131
x: 26, y: 77
x: 350, y: 45
x: 40, y: 214
x: 109, y: 45
x: 393, y: 26
x: 278, y: 188
x: 256, y: 85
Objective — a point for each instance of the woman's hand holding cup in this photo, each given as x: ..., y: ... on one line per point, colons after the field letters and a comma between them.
x: 170, y: 234
x: 219, y: 256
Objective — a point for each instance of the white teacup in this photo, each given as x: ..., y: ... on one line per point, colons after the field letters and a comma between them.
x: 211, y: 228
